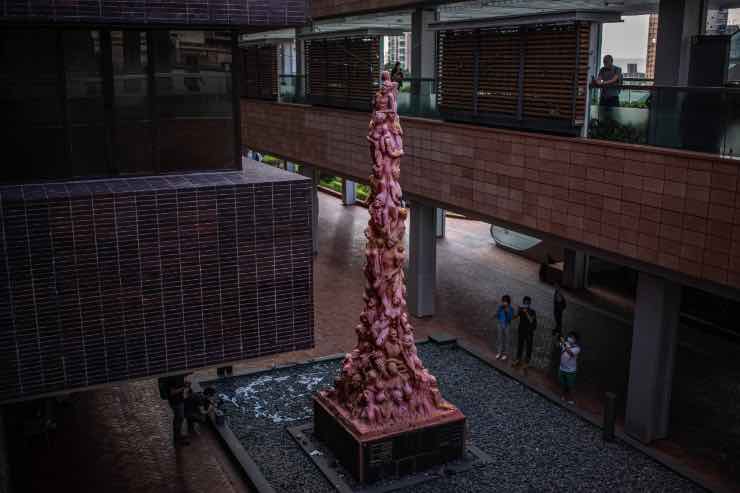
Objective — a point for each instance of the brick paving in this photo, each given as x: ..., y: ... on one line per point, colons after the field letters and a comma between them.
x: 118, y: 439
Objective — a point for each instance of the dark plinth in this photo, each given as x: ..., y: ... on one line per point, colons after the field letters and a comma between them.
x: 394, y: 453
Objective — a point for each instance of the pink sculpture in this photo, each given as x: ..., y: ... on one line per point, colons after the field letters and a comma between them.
x: 383, y: 384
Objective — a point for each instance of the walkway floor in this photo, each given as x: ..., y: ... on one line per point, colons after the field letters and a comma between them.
x: 119, y: 437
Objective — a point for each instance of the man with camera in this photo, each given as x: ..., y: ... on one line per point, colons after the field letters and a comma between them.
x: 569, y: 351
x: 527, y: 324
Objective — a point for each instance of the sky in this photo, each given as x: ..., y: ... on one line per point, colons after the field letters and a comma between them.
x: 627, y: 40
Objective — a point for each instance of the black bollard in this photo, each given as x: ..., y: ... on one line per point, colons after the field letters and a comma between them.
x: 610, y: 414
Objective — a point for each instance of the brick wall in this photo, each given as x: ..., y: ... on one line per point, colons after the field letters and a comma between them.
x: 331, y: 8
x: 104, y: 281
x: 677, y: 210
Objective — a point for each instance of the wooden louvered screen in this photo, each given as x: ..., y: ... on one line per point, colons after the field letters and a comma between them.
x: 342, y: 72
x: 456, y: 72
x: 260, y: 79
x: 498, y: 84
x: 528, y: 76
x: 550, y: 72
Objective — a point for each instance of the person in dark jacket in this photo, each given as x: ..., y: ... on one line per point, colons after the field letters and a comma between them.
x: 177, y: 391
x: 558, y: 305
x: 527, y: 324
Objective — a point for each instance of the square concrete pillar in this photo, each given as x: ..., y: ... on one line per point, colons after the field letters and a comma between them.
x: 313, y: 173
x: 654, y: 338
x: 441, y: 223
x: 678, y: 21
x: 349, y: 192
x: 423, y: 44
x: 421, y: 275
x: 575, y: 269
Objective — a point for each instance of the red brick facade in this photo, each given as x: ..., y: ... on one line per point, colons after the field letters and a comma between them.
x: 674, y: 209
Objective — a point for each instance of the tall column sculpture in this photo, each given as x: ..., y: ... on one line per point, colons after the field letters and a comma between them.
x: 383, y: 385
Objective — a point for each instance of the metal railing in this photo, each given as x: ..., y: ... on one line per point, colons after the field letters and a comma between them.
x: 702, y: 119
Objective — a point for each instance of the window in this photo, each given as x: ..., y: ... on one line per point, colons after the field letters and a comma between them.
x: 83, y: 103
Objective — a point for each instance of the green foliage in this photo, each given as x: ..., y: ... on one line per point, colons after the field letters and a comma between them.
x: 331, y: 182
x: 608, y: 129
x: 271, y: 160
x: 363, y: 192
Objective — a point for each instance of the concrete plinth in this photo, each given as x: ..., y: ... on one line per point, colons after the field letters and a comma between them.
x: 391, y: 452
x: 654, y: 337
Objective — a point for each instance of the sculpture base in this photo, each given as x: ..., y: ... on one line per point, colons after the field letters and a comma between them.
x: 406, y: 448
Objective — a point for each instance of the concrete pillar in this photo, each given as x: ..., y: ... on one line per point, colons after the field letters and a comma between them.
x: 654, y: 338
x: 349, y: 192
x: 4, y: 462
x: 313, y: 174
x: 678, y: 21
x: 423, y: 44
x: 422, y: 268
x: 575, y: 269
x: 441, y: 223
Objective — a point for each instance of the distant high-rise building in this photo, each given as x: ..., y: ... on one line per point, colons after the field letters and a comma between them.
x: 631, y: 68
x: 717, y: 21
x: 398, y: 49
x: 651, y: 44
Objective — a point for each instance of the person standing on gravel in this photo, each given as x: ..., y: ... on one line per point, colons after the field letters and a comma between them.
x: 569, y: 351
x: 504, y: 316
x: 527, y: 324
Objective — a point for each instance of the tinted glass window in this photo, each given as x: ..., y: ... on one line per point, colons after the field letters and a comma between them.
x: 193, y: 77
x: 32, y: 137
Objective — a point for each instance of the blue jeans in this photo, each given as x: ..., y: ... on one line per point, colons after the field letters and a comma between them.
x: 502, y: 338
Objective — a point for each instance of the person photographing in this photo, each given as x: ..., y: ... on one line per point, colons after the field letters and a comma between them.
x: 569, y: 351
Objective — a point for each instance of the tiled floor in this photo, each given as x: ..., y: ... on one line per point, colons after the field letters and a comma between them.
x: 119, y: 438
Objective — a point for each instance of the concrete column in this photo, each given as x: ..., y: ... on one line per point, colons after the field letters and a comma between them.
x: 678, y: 21
x: 349, y: 192
x: 4, y: 463
x: 575, y: 269
x: 423, y: 43
x: 654, y: 338
x: 422, y: 268
x: 313, y: 174
x: 441, y: 223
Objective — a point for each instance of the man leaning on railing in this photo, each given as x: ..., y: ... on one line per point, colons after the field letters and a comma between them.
x: 609, y: 80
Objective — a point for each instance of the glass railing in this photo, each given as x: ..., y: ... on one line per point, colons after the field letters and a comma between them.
x: 291, y: 89
x: 702, y: 119
x: 691, y: 118
x: 418, y: 97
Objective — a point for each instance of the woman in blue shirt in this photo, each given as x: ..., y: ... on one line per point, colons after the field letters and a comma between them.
x: 504, y: 316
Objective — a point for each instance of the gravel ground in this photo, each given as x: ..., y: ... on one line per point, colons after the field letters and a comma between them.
x: 535, y: 445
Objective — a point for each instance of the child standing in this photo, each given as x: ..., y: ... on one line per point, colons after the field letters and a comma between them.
x: 569, y: 350
x: 504, y: 316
